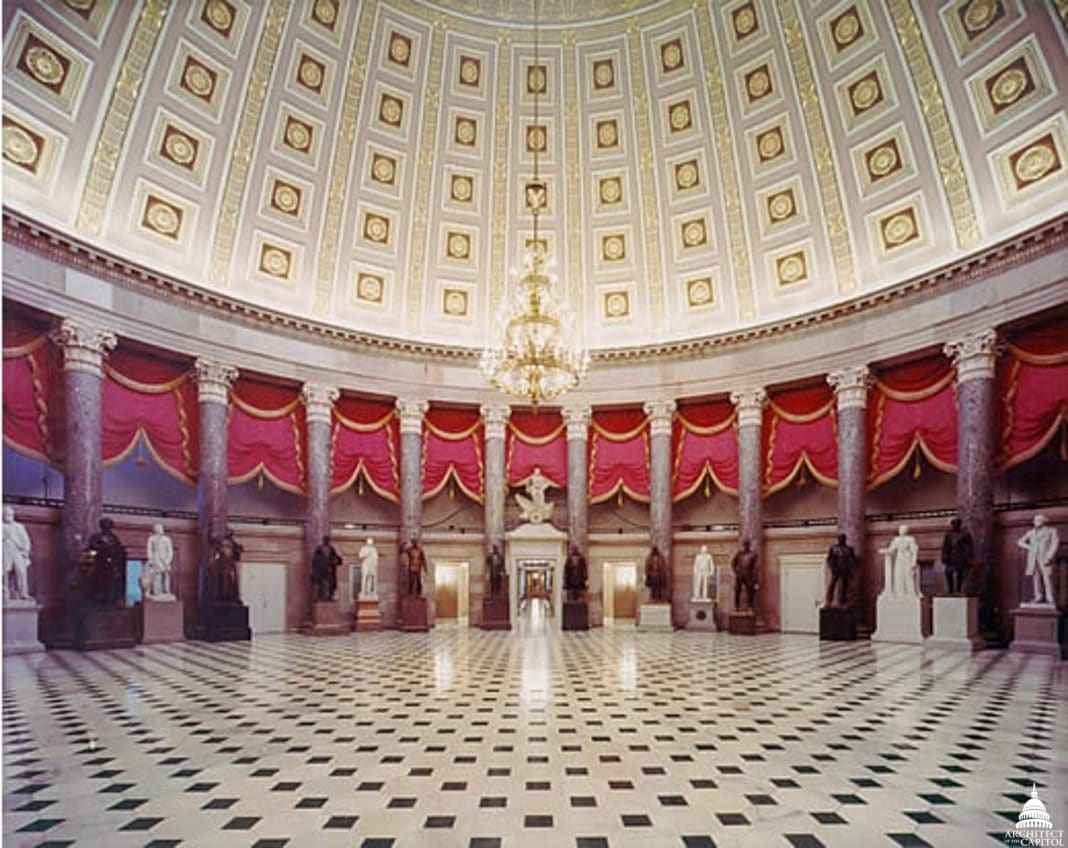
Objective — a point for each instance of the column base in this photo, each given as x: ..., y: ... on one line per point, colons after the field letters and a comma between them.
x: 702, y: 616
x: 495, y: 613
x: 367, y: 617
x: 1037, y: 630
x: 576, y: 616
x: 742, y: 623
x: 106, y: 628
x: 838, y: 624
x: 901, y: 618
x: 655, y: 618
x: 20, y: 628
x: 160, y: 621
x: 224, y: 622
x: 326, y: 620
x: 414, y: 615
x: 956, y: 623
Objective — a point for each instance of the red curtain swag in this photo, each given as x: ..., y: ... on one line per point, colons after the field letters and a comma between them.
x: 705, y: 448
x: 452, y: 450
x: 31, y: 380
x: 365, y: 435
x: 536, y: 440
x: 800, y: 431
x: 619, y: 455
x: 267, y: 434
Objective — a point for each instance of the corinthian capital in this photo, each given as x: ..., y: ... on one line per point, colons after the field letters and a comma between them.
x: 974, y: 355
x: 495, y: 419
x: 411, y: 412
x: 213, y: 380
x: 749, y: 404
x: 851, y: 386
x: 84, y: 346
x: 577, y: 419
x: 661, y: 413
x: 318, y: 401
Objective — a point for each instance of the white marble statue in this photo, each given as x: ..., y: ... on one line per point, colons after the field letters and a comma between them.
x: 901, y: 569
x: 535, y: 509
x: 369, y: 570
x: 16, y: 559
x: 704, y: 570
x: 156, y: 579
x: 1040, y: 542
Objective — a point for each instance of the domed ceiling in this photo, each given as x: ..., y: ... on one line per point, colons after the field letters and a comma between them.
x: 711, y: 164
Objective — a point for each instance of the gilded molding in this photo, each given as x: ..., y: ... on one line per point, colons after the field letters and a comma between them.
x: 574, y: 291
x: 326, y: 271
x: 728, y: 167
x: 109, y: 143
x: 826, y: 178
x: 427, y: 153
x: 549, y: 11
x: 244, y: 142
x: 936, y: 118
x: 502, y: 114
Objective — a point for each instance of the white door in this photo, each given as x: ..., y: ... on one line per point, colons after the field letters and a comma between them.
x: 263, y: 591
x: 802, y: 592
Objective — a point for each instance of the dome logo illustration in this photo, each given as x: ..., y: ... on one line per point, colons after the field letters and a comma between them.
x: 1034, y: 828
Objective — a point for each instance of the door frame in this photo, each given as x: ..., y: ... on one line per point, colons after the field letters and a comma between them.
x: 608, y: 588
x: 463, y: 592
x: 795, y: 563
x: 263, y: 568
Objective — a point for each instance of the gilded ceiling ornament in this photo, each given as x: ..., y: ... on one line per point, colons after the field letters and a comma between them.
x: 499, y: 184
x: 979, y: 14
x: 745, y: 20
x: 298, y: 134
x: 883, y: 160
x: 383, y: 169
x: 699, y: 292
x: 469, y: 71
x: 781, y: 206
x: 758, y: 83
x: 220, y: 15
x: 466, y: 132
x: 400, y: 49
x: 604, y: 75
x: 613, y: 248
x: 607, y: 134
x: 680, y: 117
x: 198, y: 79
x: 325, y: 12
x: 693, y: 233
x: 769, y: 144
x: 376, y: 228
x: 285, y: 198
x: 610, y: 190
x: 792, y: 268
x: 391, y: 110
x: 899, y: 228
x: 455, y: 302
x: 616, y: 304
x: 311, y: 73
x: 45, y: 65
x: 686, y: 175
x: 81, y: 5
x: 846, y: 28
x: 865, y: 93
x: 21, y: 145
x: 370, y: 287
x: 458, y: 245
x: 179, y: 147
x: 1036, y: 161
x: 536, y: 79
x: 462, y: 188
x: 275, y: 261
x: 162, y: 217
x: 1009, y: 85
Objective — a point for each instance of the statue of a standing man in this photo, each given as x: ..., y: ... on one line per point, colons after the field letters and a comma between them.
x: 369, y: 570
x: 841, y: 560
x: 495, y: 568
x: 957, y: 552
x: 575, y: 574
x: 16, y: 559
x: 158, y: 566
x: 703, y: 570
x: 744, y: 565
x: 1041, y: 543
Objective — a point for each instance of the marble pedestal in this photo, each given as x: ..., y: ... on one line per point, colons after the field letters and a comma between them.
x: 368, y: 617
x: 742, y: 623
x: 956, y: 623
x: 326, y: 620
x: 414, y: 615
x: 105, y: 628
x: 655, y: 617
x: 20, y: 627
x: 901, y: 618
x: 838, y: 624
x: 224, y: 622
x: 495, y: 613
x: 1037, y: 630
x: 160, y: 621
x: 702, y: 616
x: 576, y: 616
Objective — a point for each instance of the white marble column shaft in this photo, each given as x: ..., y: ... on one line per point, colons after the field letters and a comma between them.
x: 749, y: 405
x: 851, y: 395
x: 318, y: 411
x: 577, y: 420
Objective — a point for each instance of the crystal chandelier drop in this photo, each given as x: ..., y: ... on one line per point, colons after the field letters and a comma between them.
x: 536, y: 354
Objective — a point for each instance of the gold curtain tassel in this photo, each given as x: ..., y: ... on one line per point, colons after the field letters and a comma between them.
x: 708, y: 488
x: 1064, y: 440
x: 452, y: 492
x: 359, y: 486
x: 619, y: 497
x: 916, y: 471
x: 259, y: 481
x: 140, y: 452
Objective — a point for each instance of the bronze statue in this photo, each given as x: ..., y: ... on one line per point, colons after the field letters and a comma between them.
x: 575, y: 574
x: 841, y: 559
x: 105, y: 567
x: 325, y: 561
x: 495, y: 569
x: 656, y: 575
x: 222, y: 573
x: 744, y: 565
x: 416, y: 565
x: 957, y: 552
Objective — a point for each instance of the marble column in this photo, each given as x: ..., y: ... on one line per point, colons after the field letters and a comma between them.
x: 974, y: 356
x: 577, y: 419
x: 661, y: 413
x: 410, y: 412
x: 495, y: 421
x: 851, y: 393
x: 318, y: 410
x: 749, y: 406
x: 213, y: 396
x: 84, y: 348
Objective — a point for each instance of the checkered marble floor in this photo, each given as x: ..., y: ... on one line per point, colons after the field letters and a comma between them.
x: 468, y: 738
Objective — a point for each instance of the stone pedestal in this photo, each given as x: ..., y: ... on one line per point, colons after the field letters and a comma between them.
x: 1037, y: 630
x: 655, y: 617
x: 495, y: 613
x: 702, y: 616
x: 20, y: 628
x: 576, y: 616
x: 103, y: 629
x: 224, y: 622
x: 956, y: 623
x: 368, y: 617
x: 326, y: 620
x: 838, y: 624
x: 742, y: 623
x: 900, y: 618
x: 414, y: 615
x: 160, y: 621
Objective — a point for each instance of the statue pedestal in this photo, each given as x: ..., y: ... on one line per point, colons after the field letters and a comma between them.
x: 413, y: 615
x: 956, y: 623
x: 838, y: 624
x: 901, y: 618
x: 223, y: 622
x: 105, y: 628
x: 576, y: 616
x: 326, y: 620
x: 702, y: 616
x: 20, y: 627
x: 1036, y: 630
x: 742, y: 623
x: 160, y: 621
x: 655, y: 617
x: 495, y: 613
x: 368, y: 617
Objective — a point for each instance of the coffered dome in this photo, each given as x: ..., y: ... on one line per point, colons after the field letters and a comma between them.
x: 710, y: 165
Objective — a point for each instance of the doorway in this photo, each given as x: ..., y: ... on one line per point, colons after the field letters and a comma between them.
x: 450, y: 592
x: 263, y: 591
x: 621, y: 592
x: 802, y: 592
x: 536, y: 589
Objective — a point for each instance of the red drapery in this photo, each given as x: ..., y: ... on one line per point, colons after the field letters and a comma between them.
x: 536, y: 440
x: 619, y: 455
x: 452, y: 449
x: 145, y: 397
x: 365, y: 437
x: 267, y: 434
x: 800, y: 430
x: 1033, y: 392
x: 705, y: 448
x: 912, y: 407
x: 32, y: 425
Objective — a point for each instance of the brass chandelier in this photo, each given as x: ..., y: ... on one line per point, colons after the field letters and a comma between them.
x: 536, y: 354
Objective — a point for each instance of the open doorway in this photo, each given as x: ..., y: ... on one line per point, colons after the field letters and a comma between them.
x: 450, y: 592
x: 536, y: 589
x: 620, y: 592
